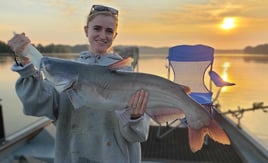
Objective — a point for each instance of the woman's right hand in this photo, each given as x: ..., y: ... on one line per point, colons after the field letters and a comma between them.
x: 17, y: 43
x: 138, y: 103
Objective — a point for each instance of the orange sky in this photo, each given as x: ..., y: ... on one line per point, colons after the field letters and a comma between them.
x: 142, y: 22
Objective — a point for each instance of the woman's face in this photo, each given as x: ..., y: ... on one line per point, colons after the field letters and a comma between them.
x: 101, y: 31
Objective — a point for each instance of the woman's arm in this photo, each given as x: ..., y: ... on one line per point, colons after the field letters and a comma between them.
x: 38, y: 97
x: 36, y: 94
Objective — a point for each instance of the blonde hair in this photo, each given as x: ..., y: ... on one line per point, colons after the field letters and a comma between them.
x: 90, y: 17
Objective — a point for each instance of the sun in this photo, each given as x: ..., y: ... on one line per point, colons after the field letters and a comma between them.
x: 228, y: 23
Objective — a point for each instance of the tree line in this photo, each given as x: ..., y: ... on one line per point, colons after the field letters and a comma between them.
x: 51, y: 48
x: 259, y: 49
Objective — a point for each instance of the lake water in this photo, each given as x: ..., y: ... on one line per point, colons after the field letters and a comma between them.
x: 249, y: 72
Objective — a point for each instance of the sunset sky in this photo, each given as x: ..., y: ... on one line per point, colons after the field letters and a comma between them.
x: 222, y: 24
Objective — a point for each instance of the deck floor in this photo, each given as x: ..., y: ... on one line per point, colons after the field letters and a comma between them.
x: 174, y: 147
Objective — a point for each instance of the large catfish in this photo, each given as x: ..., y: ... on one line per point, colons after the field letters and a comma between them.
x: 106, y: 88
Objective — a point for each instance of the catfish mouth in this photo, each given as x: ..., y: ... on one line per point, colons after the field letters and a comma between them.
x: 56, y: 75
x: 59, y: 82
x: 62, y: 86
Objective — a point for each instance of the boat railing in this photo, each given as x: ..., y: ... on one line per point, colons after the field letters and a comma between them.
x: 24, y: 133
x: 248, y: 148
x: 239, y: 113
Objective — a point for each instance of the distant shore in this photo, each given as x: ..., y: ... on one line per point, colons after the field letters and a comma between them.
x: 59, y: 48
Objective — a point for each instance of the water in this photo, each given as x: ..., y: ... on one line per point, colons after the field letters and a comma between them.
x: 249, y: 72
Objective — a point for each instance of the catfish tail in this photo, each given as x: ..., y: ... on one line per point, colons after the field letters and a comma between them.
x: 196, y: 136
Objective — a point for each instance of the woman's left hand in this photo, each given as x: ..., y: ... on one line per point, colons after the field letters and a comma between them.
x: 18, y: 42
x: 138, y: 103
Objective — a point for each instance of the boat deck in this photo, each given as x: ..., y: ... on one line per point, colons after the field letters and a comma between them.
x: 174, y: 148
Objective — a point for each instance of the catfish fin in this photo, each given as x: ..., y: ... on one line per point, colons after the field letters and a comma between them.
x: 186, y: 89
x: 126, y: 62
x: 196, y: 138
x: 217, y: 133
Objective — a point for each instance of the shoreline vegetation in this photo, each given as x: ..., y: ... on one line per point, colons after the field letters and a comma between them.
x: 59, y: 48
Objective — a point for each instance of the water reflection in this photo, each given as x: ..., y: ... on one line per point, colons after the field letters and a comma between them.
x: 4, y: 59
x: 256, y: 58
x: 226, y: 65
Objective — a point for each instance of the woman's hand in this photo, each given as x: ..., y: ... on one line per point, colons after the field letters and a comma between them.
x: 138, y: 103
x: 17, y: 43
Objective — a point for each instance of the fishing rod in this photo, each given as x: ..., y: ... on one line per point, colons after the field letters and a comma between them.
x: 239, y: 113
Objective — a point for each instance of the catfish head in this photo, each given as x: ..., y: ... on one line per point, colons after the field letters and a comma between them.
x: 60, y: 72
x: 63, y: 73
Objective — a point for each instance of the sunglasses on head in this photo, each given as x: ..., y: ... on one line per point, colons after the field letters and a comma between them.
x: 100, y: 8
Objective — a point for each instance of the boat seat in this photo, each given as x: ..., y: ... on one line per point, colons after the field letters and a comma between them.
x: 192, y: 65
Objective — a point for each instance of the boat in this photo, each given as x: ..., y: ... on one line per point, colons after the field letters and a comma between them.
x: 35, y: 144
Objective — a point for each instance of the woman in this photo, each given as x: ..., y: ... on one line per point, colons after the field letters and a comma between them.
x: 86, y: 135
